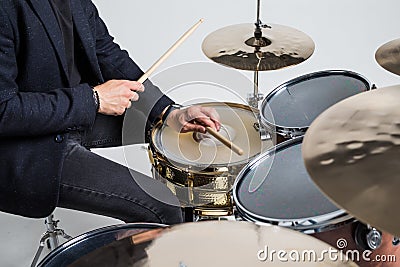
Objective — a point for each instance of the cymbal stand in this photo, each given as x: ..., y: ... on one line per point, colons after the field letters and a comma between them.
x: 50, y: 237
x: 254, y: 98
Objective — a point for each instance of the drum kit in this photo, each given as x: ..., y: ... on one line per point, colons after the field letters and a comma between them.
x: 319, y: 166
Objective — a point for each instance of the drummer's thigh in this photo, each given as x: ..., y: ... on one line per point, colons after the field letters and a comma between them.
x: 94, y: 184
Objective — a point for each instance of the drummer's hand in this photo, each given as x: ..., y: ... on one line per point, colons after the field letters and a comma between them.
x: 194, y: 118
x: 116, y: 96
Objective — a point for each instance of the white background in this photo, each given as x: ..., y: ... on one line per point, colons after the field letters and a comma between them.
x: 346, y: 34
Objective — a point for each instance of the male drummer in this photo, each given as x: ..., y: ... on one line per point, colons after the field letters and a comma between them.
x: 65, y: 87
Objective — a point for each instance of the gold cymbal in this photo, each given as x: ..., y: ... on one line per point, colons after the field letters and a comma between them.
x: 352, y: 152
x: 388, y: 56
x: 280, y: 46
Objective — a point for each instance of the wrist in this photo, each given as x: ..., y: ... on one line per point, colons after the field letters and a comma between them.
x: 167, y: 111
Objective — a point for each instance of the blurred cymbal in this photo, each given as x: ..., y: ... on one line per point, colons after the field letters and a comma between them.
x: 280, y: 46
x: 235, y: 244
x: 388, y: 56
x: 352, y: 152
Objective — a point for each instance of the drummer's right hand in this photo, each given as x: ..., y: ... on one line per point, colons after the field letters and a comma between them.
x: 194, y: 118
x: 116, y: 95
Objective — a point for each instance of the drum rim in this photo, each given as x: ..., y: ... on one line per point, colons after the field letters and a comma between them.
x: 184, y: 165
x: 93, y: 233
x: 285, y: 130
x: 296, y: 223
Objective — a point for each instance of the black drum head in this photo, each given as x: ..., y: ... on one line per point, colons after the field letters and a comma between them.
x: 276, y: 188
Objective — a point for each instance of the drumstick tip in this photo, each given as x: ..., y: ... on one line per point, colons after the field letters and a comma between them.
x: 202, y: 20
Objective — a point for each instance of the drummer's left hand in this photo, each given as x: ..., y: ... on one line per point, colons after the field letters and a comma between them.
x: 193, y: 118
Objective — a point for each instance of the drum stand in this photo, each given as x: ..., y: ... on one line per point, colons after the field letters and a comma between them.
x: 50, y: 237
x: 254, y: 98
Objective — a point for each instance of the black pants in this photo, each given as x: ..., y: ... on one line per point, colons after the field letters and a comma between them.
x: 97, y: 185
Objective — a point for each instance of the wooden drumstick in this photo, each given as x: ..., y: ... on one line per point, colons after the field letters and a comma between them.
x: 225, y: 141
x: 169, y: 52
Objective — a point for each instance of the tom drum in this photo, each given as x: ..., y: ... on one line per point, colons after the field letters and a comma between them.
x: 290, y: 109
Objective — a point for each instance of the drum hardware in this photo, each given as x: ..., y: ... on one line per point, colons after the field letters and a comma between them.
x: 187, y: 213
x: 264, y: 135
x: 201, y: 214
x: 351, y: 153
x: 388, y: 56
x: 367, y: 237
x: 50, y: 237
x: 396, y: 241
x: 257, y: 41
x: 190, y: 184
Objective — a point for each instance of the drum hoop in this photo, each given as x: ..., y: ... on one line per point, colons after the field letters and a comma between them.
x: 339, y: 216
x: 296, y: 131
x: 95, y: 232
x: 337, y: 219
x: 214, y: 167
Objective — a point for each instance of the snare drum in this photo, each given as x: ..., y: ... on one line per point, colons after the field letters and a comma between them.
x: 201, y: 171
x: 117, y: 245
x: 289, y: 109
x: 275, y: 188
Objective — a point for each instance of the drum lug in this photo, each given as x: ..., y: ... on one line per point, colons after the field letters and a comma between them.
x: 169, y: 174
x: 374, y: 238
x: 264, y: 135
x: 367, y: 237
x: 190, y: 185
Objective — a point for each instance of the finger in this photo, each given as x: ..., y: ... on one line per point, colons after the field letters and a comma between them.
x: 213, y: 116
x: 206, y: 121
x: 136, y: 86
x: 132, y: 85
x: 211, y: 112
x: 134, y: 97
x: 129, y: 104
x: 191, y: 127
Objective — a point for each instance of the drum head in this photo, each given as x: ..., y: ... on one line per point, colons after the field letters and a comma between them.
x: 298, y: 102
x: 183, y: 149
x: 120, y: 245
x: 276, y: 188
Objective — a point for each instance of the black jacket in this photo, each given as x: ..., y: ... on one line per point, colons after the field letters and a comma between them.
x: 38, y: 105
